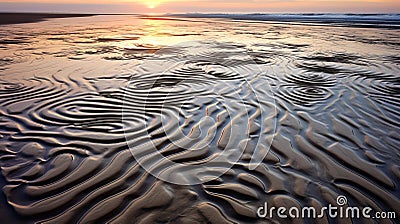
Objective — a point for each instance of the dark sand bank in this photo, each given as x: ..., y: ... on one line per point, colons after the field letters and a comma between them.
x: 15, y: 18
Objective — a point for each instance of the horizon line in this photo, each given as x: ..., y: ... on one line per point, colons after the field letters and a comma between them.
x: 204, y: 13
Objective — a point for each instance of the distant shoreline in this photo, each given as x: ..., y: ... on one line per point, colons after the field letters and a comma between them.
x: 17, y: 18
x: 390, y: 21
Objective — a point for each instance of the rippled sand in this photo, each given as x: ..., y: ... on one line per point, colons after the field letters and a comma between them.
x: 323, y: 100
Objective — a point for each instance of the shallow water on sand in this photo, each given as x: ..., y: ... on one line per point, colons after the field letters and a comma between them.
x: 323, y: 100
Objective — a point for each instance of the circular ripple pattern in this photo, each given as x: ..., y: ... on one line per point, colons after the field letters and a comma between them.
x: 189, y: 144
x: 304, y: 95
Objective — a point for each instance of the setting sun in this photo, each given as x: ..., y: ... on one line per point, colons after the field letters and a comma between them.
x: 152, y: 4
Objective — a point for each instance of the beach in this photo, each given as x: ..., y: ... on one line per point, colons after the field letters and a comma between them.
x: 197, y: 118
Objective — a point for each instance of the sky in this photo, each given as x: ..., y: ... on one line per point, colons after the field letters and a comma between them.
x: 202, y: 6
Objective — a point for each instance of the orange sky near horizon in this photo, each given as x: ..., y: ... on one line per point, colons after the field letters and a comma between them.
x: 164, y: 6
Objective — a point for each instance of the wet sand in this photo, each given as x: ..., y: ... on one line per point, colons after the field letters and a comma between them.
x: 305, y: 114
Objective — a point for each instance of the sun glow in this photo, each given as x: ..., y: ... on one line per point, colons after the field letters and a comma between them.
x: 152, y: 4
